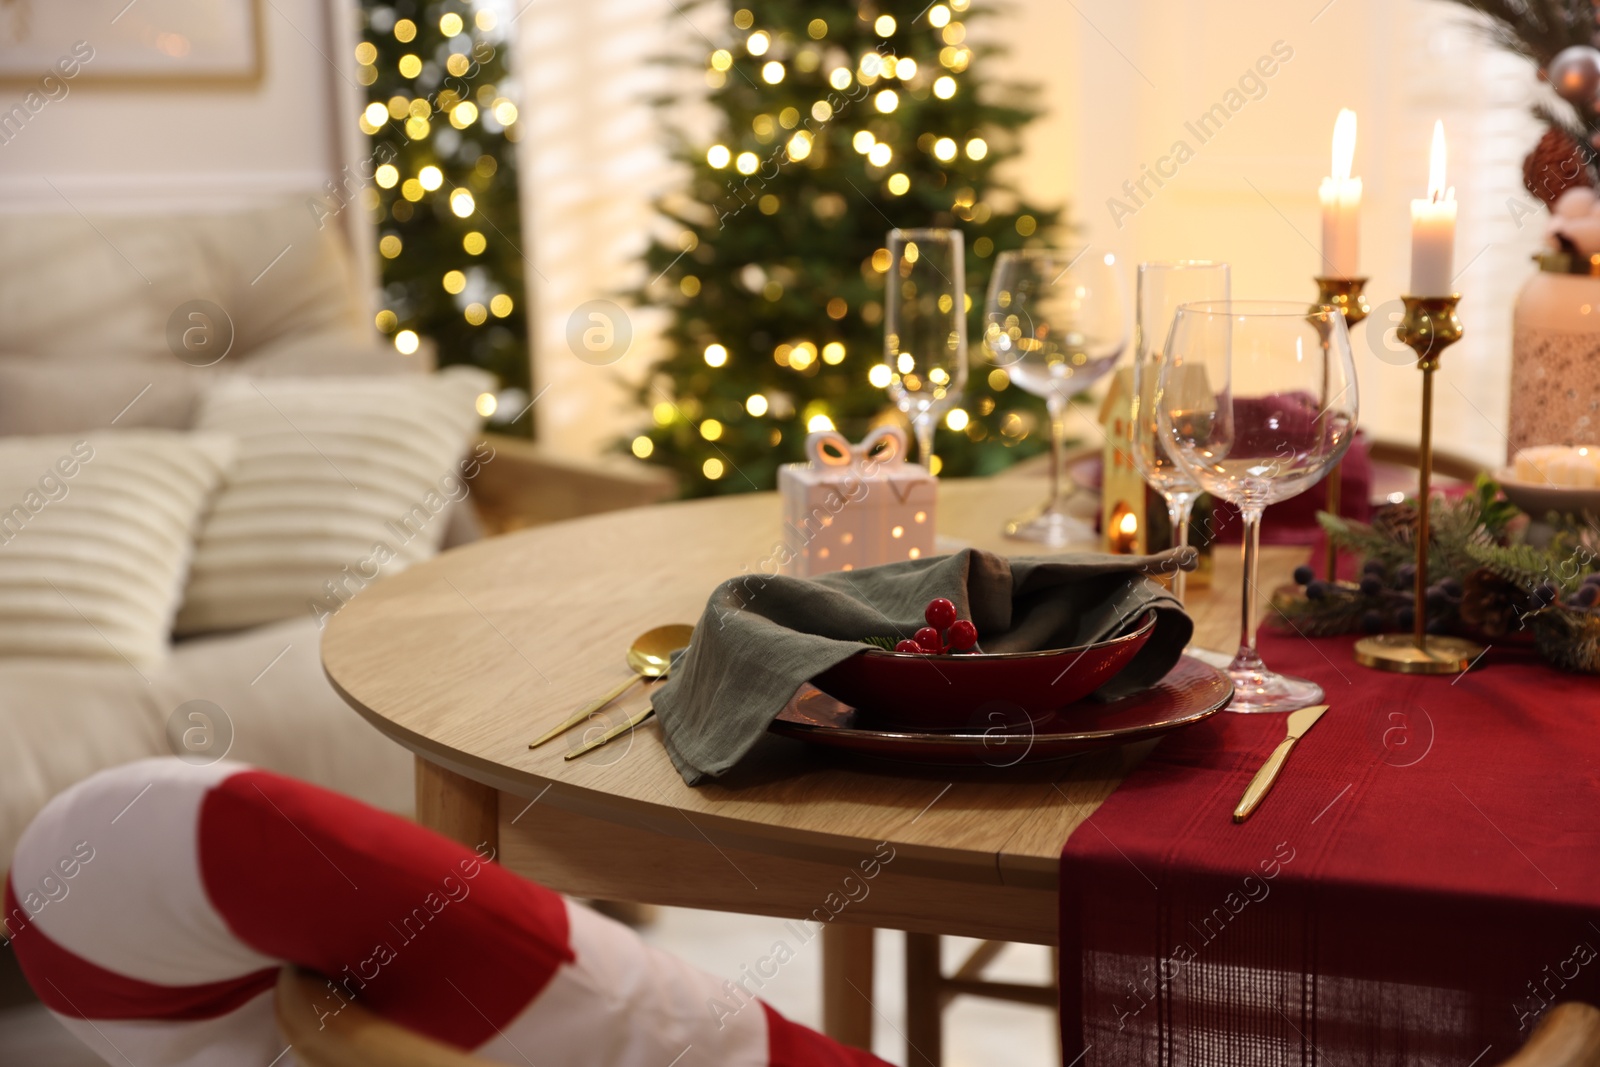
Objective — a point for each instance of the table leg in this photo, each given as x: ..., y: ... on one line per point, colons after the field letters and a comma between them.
x: 458, y: 807
x: 847, y: 984
x: 924, y: 1003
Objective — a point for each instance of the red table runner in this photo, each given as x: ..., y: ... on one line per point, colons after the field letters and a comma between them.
x: 1423, y: 880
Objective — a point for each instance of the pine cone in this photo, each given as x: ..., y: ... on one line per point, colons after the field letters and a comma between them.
x: 1554, y: 166
x: 1489, y: 603
x: 1397, y: 522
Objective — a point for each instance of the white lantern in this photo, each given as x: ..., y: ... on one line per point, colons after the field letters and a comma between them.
x: 854, y: 506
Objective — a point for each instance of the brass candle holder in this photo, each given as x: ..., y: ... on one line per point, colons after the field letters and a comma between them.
x: 1429, y: 327
x: 1349, y: 296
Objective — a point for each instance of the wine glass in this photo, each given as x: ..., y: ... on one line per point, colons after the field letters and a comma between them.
x: 925, y: 327
x: 1055, y: 321
x: 1256, y: 400
x: 1161, y: 288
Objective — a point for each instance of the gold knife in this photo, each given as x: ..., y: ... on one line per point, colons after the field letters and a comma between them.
x: 1299, y: 722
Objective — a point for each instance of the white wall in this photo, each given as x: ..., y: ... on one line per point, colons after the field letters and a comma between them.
x: 1119, y: 79
x: 171, y: 146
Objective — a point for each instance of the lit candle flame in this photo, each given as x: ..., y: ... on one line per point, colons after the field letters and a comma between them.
x: 1344, y: 144
x: 1436, y: 186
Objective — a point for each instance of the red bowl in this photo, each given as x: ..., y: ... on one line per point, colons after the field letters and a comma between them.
x: 958, y: 692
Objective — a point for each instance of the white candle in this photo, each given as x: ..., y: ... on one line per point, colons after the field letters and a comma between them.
x: 1341, y: 204
x: 1433, y: 229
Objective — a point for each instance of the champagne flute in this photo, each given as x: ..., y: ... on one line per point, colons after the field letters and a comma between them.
x: 925, y: 327
x: 1256, y: 400
x: 1161, y: 288
x: 1055, y: 322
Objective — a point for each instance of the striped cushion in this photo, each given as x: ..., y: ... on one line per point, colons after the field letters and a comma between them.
x: 151, y: 905
x: 338, y: 480
x: 96, y: 534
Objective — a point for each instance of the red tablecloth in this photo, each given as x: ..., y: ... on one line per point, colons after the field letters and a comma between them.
x: 1423, y: 880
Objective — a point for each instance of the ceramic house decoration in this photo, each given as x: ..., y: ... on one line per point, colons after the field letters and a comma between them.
x: 853, y: 506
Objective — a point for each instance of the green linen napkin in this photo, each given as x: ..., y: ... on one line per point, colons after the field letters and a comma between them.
x: 761, y: 636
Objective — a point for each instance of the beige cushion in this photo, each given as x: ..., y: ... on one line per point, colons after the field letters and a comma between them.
x: 95, y: 539
x: 338, y: 480
x: 63, y: 721
x: 104, y: 287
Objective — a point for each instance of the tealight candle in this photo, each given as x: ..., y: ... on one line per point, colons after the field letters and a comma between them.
x: 1433, y: 228
x: 1341, y: 204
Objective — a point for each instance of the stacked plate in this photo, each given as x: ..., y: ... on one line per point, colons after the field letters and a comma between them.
x: 997, y: 709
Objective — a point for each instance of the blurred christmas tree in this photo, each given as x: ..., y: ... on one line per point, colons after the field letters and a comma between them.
x: 443, y: 127
x: 838, y: 121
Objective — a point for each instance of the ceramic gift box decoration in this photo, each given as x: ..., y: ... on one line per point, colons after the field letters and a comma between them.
x: 855, y: 506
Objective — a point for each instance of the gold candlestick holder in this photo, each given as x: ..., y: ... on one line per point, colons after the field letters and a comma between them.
x: 1429, y: 327
x: 1349, y: 296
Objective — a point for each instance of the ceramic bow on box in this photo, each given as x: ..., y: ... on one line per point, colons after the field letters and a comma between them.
x: 855, y: 506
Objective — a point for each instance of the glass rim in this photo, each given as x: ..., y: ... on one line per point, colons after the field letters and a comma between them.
x: 924, y: 233
x: 1071, y: 254
x: 1184, y: 264
x: 1258, y: 309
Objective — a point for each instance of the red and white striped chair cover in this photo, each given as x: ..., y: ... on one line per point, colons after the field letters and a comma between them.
x: 152, y: 906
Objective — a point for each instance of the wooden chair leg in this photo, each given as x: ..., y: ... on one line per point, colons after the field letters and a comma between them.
x: 924, y: 1001
x: 847, y: 984
x: 458, y: 807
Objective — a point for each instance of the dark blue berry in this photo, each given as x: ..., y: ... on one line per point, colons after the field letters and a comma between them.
x: 1545, y: 594
x: 1437, y: 597
x: 1406, y: 617
x: 1372, y: 622
x: 1451, y: 587
x: 1372, y: 566
x: 1316, y: 589
x: 1592, y: 578
x: 1586, y: 596
x: 1438, y: 626
x: 1303, y: 575
x: 1371, y: 585
x: 1406, y: 574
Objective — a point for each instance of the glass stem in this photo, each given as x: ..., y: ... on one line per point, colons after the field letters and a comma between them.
x: 1249, y: 617
x: 1179, y: 507
x: 1056, y: 405
x: 922, y: 425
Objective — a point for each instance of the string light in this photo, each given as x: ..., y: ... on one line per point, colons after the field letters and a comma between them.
x: 818, y: 29
x: 833, y: 353
x: 405, y: 31
x: 957, y: 419
x: 474, y: 243
x: 412, y: 190
x: 880, y: 155
x: 880, y: 375
x: 385, y: 320
x: 899, y: 184
x: 721, y: 59
x: 944, y: 149
x: 387, y: 175
x: 756, y: 405
x: 772, y: 72
x: 475, y: 314
x: 884, y: 26
x: 819, y: 422
x: 758, y: 43
x: 464, y: 114
x: 712, y: 468
x: 410, y: 65
x: 486, y: 404
x: 746, y: 163
x: 500, y: 305
x: 938, y: 16
x: 886, y: 101
x: 430, y: 177
x: 799, y: 146
x: 711, y: 430
x: 840, y: 78
x: 822, y: 111
x: 977, y: 148
x: 863, y: 141
x: 366, y: 53
x: 718, y: 156
x: 454, y: 282
x: 375, y: 114
x: 462, y: 204
x: 505, y: 112
x: 450, y: 24
x: 406, y: 342
x: 390, y: 246
x: 643, y: 447
x: 716, y: 356
x: 944, y: 87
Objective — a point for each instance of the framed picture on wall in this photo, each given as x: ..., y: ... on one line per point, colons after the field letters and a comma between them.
x: 139, y: 40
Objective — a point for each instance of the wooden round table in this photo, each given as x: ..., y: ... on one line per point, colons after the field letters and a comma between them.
x: 467, y: 658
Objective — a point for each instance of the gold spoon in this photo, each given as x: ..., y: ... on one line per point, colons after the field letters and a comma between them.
x: 650, y: 656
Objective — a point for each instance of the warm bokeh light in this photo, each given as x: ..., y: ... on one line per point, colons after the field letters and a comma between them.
x: 376, y: 114
x: 840, y: 78
x: 756, y: 404
x: 899, y: 184
x: 366, y: 53
x: 405, y: 31
x: 880, y: 155
x: 406, y: 342
x: 500, y: 305
x: 474, y: 243
x: 819, y: 422
x: 390, y: 246
x: 487, y: 404
x: 957, y: 419
x: 476, y: 314
x: 944, y: 149
x: 505, y: 112
x: 412, y: 190
x: 719, y: 156
x: 711, y: 430
x: 716, y: 355
x: 833, y: 353
x: 886, y: 101
x: 747, y: 163
x: 430, y: 177
x: 385, y: 320
x: 712, y: 468
x: 450, y: 24
x: 462, y: 204
x: 643, y: 446
x: 880, y: 375
x: 799, y: 146
x: 938, y: 16
x: 464, y: 114
x: 772, y: 72
x: 454, y: 281
x: 758, y: 43
x: 884, y: 26
x: 977, y: 148
x: 387, y: 175
x: 944, y: 87
x: 410, y: 65
x: 721, y: 59
x: 863, y: 141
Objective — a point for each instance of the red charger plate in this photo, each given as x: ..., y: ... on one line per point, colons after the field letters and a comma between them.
x: 1191, y: 691
x: 904, y: 690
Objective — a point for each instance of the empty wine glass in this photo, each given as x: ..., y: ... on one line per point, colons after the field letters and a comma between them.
x: 1056, y: 322
x: 925, y: 327
x: 1256, y: 400
x: 1161, y: 288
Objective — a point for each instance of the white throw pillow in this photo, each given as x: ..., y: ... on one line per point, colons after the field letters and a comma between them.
x: 96, y: 533
x: 338, y: 480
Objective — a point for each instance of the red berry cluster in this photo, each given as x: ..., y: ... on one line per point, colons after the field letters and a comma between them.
x: 944, y: 633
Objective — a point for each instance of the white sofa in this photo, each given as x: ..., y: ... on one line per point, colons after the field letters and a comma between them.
x: 84, y: 309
